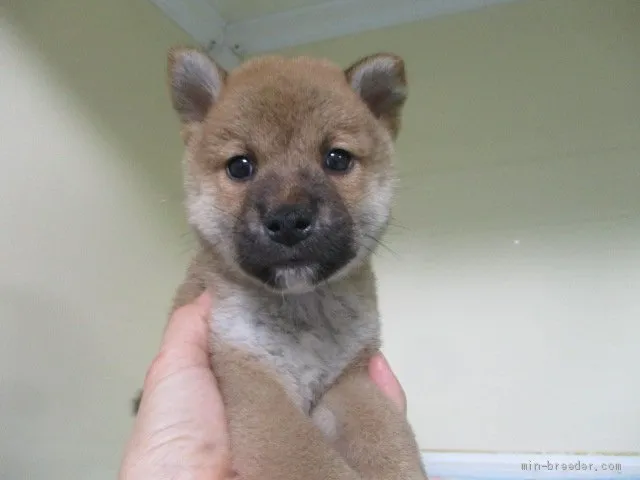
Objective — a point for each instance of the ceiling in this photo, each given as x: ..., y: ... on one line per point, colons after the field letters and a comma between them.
x: 240, y: 10
x: 232, y: 29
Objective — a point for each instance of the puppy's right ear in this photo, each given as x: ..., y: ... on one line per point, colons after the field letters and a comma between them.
x: 381, y: 82
x: 195, y: 81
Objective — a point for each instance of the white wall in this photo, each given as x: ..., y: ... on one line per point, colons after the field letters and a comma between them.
x: 511, y: 304
x: 90, y: 237
x: 523, y: 125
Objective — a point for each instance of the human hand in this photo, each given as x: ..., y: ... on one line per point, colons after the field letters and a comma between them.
x: 180, y: 431
x: 382, y: 375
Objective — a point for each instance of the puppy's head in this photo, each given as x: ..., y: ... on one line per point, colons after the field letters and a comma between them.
x: 288, y: 165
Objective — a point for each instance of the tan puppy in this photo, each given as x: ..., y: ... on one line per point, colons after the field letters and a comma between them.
x: 288, y: 178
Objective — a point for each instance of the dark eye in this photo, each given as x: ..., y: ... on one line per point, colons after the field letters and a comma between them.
x: 240, y: 168
x: 338, y: 160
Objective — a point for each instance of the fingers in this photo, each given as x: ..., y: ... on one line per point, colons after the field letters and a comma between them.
x: 382, y: 375
x: 181, y: 373
x: 180, y: 426
x: 185, y: 341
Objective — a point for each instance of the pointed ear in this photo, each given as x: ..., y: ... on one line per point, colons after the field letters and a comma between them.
x: 381, y: 82
x: 195, y: 82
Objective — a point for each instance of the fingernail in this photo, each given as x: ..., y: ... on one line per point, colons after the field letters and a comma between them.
x: 381, y: 365
x: 204, y: 299
x: 383, y: 362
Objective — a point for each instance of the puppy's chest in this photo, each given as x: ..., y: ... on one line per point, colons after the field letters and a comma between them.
x: 308, y: 339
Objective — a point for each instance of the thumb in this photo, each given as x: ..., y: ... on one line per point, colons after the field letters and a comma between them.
x: 382, y: 375
x: 185, y: 340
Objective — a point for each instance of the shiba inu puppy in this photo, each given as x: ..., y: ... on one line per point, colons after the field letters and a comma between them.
x: 288, y: 173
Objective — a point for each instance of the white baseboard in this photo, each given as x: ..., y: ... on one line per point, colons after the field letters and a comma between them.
x: 517, y: 466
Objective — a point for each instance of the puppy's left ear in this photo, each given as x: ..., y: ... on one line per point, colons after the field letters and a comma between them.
x: 380, y: 81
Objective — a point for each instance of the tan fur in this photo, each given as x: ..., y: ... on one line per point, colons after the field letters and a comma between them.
x: 272, y: 440
x: 285, y: 113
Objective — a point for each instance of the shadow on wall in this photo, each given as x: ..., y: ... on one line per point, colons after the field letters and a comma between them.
x: 111, y: 56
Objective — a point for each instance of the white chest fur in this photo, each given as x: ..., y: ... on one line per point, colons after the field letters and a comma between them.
x: 307, y: 338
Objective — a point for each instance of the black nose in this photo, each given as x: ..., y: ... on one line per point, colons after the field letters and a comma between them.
x: 289, y: 224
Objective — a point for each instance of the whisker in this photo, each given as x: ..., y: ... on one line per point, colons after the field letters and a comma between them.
x: 371, y: 250
x: 391, y: 221
x: 390, y: 226
x: 399, y: 225
x: 385, y: 246
x: 328, y: 285
x: 225, y: 212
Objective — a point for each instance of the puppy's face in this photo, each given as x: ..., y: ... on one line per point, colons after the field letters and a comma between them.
x: 288, y: 166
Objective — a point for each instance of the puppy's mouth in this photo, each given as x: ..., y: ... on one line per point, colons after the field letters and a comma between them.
x: 296, y: 277
x: 293, y: 263
x: 294, y: 270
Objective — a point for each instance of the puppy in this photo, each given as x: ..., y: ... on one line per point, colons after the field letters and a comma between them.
x: 288, y: 173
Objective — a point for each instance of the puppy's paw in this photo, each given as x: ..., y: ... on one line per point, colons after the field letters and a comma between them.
x: 135, y: 402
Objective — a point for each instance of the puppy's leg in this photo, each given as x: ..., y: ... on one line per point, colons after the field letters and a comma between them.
x: 368, y: 430
x: 271, y: 438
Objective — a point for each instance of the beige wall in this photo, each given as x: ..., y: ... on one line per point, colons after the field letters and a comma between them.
x: 511, y: 304
x: 523, y: 125
x: 91, y: 227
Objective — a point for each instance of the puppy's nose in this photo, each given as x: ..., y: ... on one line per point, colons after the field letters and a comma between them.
x: 289, y: 224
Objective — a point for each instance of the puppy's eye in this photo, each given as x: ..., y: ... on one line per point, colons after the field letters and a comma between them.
x: 240, y: 167
x: 338, y: 160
